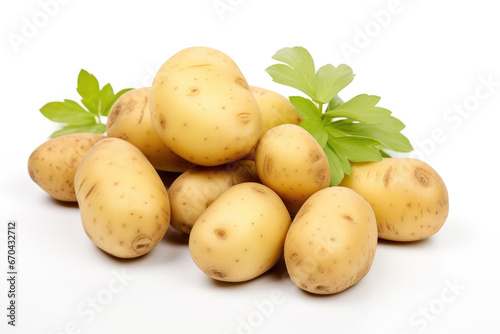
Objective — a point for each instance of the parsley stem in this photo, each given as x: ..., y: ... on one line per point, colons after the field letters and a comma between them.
x: 320, y: 107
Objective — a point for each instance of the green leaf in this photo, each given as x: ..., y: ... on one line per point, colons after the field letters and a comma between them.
x: 316, y: 129
x: 334, y: 103
x: 330, y: 80
x: 305, y: 107
x: 299, y: 71
x: 337, y: 171
x: 107, y: 97
x: 384, y: 154
x: 68, y: 112
x: 90, y: 128
x: 285, y: 75
x: 88, y: 88
x: 76, y: 117
x: 360, y: 108
x: 387, y: 133
x: 356, y: 149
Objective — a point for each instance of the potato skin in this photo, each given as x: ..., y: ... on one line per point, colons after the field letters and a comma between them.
x: 129, y: 119
x: 331, y: 243
x: 195, y: 189
x: 292, y: 163
x: 53, y: 164
x: 241, y: 235
x: 203, y: 109
x: 275, y: 109
x: 123, y: 203
x: 409, y: 198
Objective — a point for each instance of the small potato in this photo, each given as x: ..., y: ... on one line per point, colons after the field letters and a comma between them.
x: 202, y: 107
x: 409, y: 198
x: 241, y: 235
x: 194, y: 190
x: 129, y: 119
x: 331, y: 243
x: 123, y: 203
x: 292, y: 163
x: 53, y: 164
x: 275, y: 109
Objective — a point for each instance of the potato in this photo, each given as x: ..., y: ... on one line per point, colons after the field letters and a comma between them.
x: 331, y: 243
x: 123, y: 203
x: 203, y: 109
x: 292, y: 163
x: 129, y: 119
x: 194, y: 190
x: 53, y: 164
x: 409, y: 198
x: 241, y: 235
x: 275, y: 109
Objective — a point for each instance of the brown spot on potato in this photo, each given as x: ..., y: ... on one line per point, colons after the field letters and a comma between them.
x: 259, y: 190
x: 90, y: 190
x: 320, y: 176
x: 268, y: 165
x: 113, y: 115
x: 193, y: 91
x: 244, y: 117
x: 387, y: 177
x: 194, y: 66
x: 423, y: 177
x: 220, y: 233
x: 163, y: 123
x: 314, y: 156
x: 217, y: 273
x: 241, y: 82
x: 143, y: 109
x: 141, y: 244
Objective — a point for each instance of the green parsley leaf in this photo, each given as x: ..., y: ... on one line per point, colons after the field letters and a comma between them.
x: 353, y: 131
x: 330, y: 80
x: 87, y: 118
x: 68, y: 129
x: 67, y: 112
x: 88, y: 88
x: 299, y: 72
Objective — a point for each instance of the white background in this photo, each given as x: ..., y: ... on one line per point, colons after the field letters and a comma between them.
x: 427, y: 59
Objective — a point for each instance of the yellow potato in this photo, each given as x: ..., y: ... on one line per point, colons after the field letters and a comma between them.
x: 292, y: 163
x: 331, y: 243
x: 123, y: 203
x: 275, y: 109
x: 203, y: 109
x: 129, y: 119
x: 194, y: 190
x: 53, y: 164
x: 409, y: 198
x: 241, y: 235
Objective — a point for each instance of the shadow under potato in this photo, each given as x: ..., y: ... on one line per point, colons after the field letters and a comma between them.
x: 57, y: 202
x: 175, y: 237
x: 416, y: 243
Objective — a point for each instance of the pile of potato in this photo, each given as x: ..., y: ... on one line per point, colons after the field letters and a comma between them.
x: 252, y: 186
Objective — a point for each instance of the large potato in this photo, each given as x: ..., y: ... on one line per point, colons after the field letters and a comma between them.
x: 275, y: 109
x: 129, y: 119
x: 203, y: 109
x: 123, y: 203
x: 331, y: 243
x: 241, y: 235
x: 409, y: 198
x: 292, y: 163
x: 53, y: 164
x: 195, y: 189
